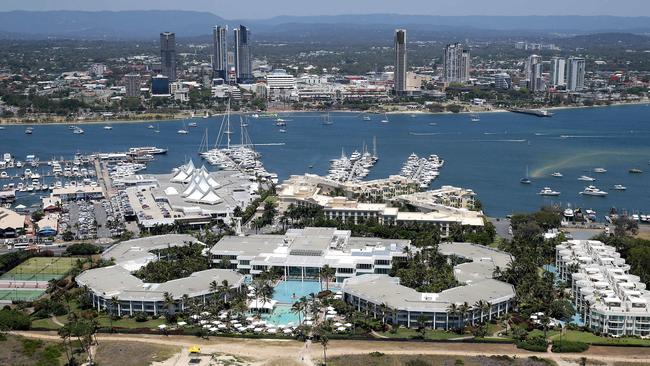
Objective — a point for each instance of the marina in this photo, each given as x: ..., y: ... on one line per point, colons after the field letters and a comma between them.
x: 614, y: 138
x: 422, y: 170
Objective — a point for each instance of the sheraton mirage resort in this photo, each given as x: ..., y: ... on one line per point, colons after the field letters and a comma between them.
x: 308, y: 276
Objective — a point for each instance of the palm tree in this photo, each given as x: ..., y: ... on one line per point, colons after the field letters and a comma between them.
x: 185, y: 300
x: 422, y: 325
x: 324, y: 341
x: 326, y: 274
x: 299, y: 307
x: 454, y: 311
x: 463, y: 309
x: 483, y: 306
x: 168, y: 300
x: 114, y: 302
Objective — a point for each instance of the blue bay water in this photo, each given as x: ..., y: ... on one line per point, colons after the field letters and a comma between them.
x: 489, y: 157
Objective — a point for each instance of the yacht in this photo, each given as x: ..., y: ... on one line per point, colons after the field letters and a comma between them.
x: 29, y: 131
x: 78, y: 131
x: 568, y: 213
x: 525, y: 180
x: 151, y: 127
x: 327, y: 120
x: 280, y: 122
x: 557, y: 175
x: 385, y: 120
x: 600, y: 170
x: 548, y: 192
x: 635, y: 171
x: 475, y: 118
x: 182, y: 131
x: 586, y: 178
x: 282, y: 130
x: 108, y: 127
x: 593, y: 191
x: 4, y: 174
x: 619, y: 187
x: 192, y: 124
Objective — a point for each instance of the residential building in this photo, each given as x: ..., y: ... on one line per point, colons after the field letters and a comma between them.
x: 502, y: 81
x: 168, y: 55
x: 302, y: 253
x: 534, y: 70
x: 242, y: 55
x: 11, y: 223
x: 220, y: 52
x: 281, y: 85
x: 558, y: 70
x: 400, y: 61
x: 160, y: 85
x: 383, y: 297
x: 132, y: 82
x: 609, y: 299
x: 576, y: 67
x: 456, y: 64
x: 133, y: 295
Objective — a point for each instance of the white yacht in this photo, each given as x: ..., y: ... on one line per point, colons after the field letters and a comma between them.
x: 600, y: 170
x: 586, y: 178
x: 557, y: 175
x: 108, y: 127
x: 151, y: 127
x: 593, y: 191
x: 77, y: 131
x: 619, y: 187
x: 568, y: 213
x: 548, y: 192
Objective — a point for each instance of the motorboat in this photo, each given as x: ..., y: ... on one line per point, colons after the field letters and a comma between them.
x: 385, y: 120
x: 192, y: 124
x: 182, y: 132
x: 108, y: 127
x: 282, y: 130
x: 586, y: 178
x: 525, y: 180
x: 619, y: 187
x: 78, y: 131
x: 557, y: 175
x: 600, y: 170
x: 29, y: 131
x: 635, y: 171
x: 151, y: 127
x: 593, y: 191
x: 548, y: 192
x: 367, y: 118
x: 568, y: 213
x: 475, y: 118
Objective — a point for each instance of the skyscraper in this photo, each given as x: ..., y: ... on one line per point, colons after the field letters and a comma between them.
x: 558, y: 67
x: 132, y: 82
x: 534, y: 69
x: 243, y: 64
x: 220, y: 52
x: 168, y: 54
x: 456, y: 64
x: 400, y: 61
x: 576, y: 73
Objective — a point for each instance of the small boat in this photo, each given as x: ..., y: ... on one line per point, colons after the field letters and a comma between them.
x: 367, y: 118
x: 433, y: 124
x: 206, y: 115
x: 151, y: 127
x: 2, y: 127
x: 108, y: 127
x: 29, y: 131
x: 557, y: 175
x: 568, y: 213
x: 182, y: 132
x: 192, y: 124
x: 475, y: 118
x: 327, y: 120
x: 525, y: 180
x: 600, y: 170
x: 385, y: 120
x: 586, y: 178
x: 280, y: 122
x: 282, y: 130
x: 619, y: 187
x: 548, y: 192
x: 593, y: 191
x: 78, y: 131
x: 635, y: 171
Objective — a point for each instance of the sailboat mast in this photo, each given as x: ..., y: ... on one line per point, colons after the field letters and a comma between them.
x: 374, y: 146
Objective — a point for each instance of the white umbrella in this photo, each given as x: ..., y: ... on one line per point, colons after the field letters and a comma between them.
x: 238, y: 326
x: 250, y: 327
x: 195, y: 316
x: 162, y: 326
x: 250, y: 319
x: 180, y: 324
x: 329, y: 316
x: 331, y: 312
x: 206, y: 326
x: 347, y: 324
x: 309, y: 318
x: 330, y: 308
x: 223, y: 316
x: 272, y: 330
x: 205, y: 313
x: 221, y: 326
x: 341, y: 329
x: 234, y: 321
x: 308, y: 322
x: 213, y: 329
x: 337, y: 324
x: 203, y: 322
x: 257, y: 330
x: 287, y: 331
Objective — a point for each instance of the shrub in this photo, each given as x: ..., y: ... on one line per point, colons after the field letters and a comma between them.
x: 568, y: 346
x: 83, y: 249
x: 536, y: 344
x: 140, y: 317
x: 14, y: 320
x: 376, y: 354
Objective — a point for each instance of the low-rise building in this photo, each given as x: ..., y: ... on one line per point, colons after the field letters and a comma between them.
x: 117, y: 290
x: 11, y: 223
x: 610, y: 300
x: 302, y: 253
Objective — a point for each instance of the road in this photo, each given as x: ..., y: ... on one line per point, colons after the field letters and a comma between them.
x: 262, y: 350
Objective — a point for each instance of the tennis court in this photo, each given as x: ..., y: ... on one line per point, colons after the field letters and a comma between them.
x: 20, y: 294
x: 40, y: 269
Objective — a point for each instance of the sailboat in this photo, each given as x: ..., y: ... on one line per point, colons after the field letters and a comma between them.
x: 367, y: 118
x: 475, y: 117
x: 182, y: 131
x: 157, y: 130
x: 327, y: 120
x: 525, y: 180
x: 385, y: 120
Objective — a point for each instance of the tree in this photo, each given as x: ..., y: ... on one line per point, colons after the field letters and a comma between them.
x: 169, y: 302
x: 115, y: 302
x: 324, y: 341
x: 326, y: 274
x: 624, y: 226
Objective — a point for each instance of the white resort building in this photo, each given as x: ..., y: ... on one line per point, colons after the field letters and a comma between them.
x: 610, y: 300
x: 134, y: 295
x: 301, y: 253
x: 383, y: 297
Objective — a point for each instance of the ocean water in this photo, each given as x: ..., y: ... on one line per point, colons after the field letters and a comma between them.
x: 489, y: 156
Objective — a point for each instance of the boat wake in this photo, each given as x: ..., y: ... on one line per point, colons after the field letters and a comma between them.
x: 586, y: 159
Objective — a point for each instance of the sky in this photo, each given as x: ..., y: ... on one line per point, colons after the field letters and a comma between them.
x: 249, y: 9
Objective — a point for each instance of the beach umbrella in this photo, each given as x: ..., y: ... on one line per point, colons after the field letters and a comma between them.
x: 162, y: 326
x: 221, y: 326
x: 287, y: 331
x: 337, y: 324
x: 180, y: 324
x: 257, y: 330
x: 341, y: 329
x: 272, y: 330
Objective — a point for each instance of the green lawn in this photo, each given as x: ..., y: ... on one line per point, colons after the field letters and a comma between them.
x: 587, y: 337
x: 405, y: 333
x: 104, y: 321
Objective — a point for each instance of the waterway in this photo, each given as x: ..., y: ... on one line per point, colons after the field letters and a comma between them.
x: 489, y: 156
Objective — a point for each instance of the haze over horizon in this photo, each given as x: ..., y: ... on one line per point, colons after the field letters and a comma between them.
x: 259, y: 9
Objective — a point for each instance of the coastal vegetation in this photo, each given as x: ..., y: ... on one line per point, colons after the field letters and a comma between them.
x: 174, y: 263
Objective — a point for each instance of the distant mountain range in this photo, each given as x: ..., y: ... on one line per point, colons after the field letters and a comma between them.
x: 148, y: 24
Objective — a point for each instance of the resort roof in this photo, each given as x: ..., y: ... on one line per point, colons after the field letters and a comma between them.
x: 133, y: 254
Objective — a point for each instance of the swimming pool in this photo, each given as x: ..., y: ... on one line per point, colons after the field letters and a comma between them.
x: 281, y: 315
x: 288, y: 292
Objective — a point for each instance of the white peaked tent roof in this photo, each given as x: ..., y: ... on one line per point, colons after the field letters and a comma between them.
x: 201, y: 188
x: 184, y: 173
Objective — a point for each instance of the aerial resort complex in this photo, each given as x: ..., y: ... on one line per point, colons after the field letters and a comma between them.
x: 609, y: 299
